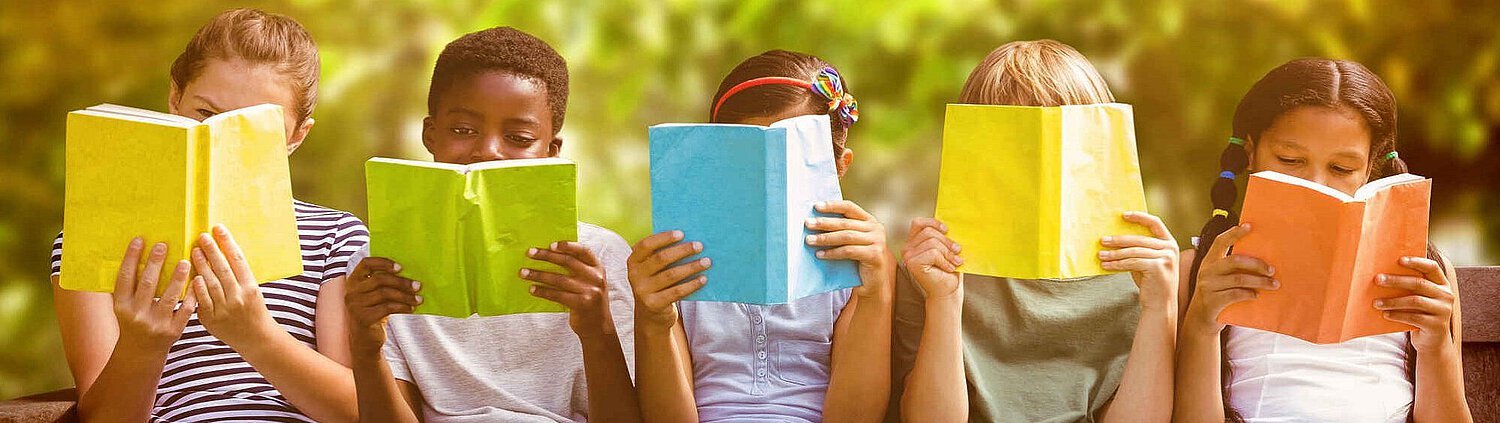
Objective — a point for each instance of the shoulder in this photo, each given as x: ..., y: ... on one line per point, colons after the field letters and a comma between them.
x: 310, y: 213
x: 602, y: 240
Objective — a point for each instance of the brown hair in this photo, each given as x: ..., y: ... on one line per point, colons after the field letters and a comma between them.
x: 1306, y: 82
x: 1035, y: 73
x: 259, y: 38
x: 770, y: 99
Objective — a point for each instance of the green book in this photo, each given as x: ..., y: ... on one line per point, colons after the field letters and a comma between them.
x: 463, y: 230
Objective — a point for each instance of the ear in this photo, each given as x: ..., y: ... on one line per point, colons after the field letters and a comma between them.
x: 555, y: 147
x: 844, y: 160
x: 427, y: 128
x: 300, y: 134
x: 1250, y: 154
x: 174, y: 96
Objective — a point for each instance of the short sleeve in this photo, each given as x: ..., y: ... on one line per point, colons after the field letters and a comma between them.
x: 57, y: 255
x: 349, y: 237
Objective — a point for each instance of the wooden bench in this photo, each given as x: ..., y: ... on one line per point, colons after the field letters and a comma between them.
x: 1479, y: 289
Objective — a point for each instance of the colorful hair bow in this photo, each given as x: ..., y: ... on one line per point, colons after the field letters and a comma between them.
x: 827, y: 84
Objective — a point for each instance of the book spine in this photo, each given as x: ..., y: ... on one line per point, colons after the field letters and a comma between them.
x: 200, y: 183
x: 776, y: 281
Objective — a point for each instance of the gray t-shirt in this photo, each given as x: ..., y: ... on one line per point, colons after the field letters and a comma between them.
x: 513, y: 368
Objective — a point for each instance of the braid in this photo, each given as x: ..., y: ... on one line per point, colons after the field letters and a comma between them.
x: 1232, y: 163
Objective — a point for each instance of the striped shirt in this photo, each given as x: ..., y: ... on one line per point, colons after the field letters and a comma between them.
x: 206, y: 380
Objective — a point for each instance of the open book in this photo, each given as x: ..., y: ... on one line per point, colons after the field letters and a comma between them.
x: 744, y: 192
x: 1029, y: 191
x: 167, y: 178
x: 1327, y: 247
x: 463, y: 230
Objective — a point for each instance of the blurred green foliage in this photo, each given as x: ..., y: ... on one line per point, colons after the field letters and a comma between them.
x: 1182, y: 63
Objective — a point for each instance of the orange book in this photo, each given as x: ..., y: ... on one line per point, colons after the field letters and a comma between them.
x: 1327, y: 247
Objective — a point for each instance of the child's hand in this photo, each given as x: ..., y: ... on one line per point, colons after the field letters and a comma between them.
x: 149, y: 325
x: 229, y: 301
x: 857, y: 236
x: 933, y: 260
x: 375, y: 290
x: 1151, y: 260
x: 656, y: 285
x: 1429, y: 308
x: 582, y: 289
x: 1224, y: 279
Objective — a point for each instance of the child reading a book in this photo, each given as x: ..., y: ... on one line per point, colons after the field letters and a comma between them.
x: 982, y: 348
x: 276, y: 351
x: 1332, y: 122
x: 825, y: 356
x: 498, y: 94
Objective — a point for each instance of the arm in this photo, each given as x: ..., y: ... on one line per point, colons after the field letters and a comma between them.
x: 232, y: 309
x: 583, y: 291
x: 1145, y: 392
x: 125, y: 385
x: 664, y: 369
x: 936, y: 390
x: 1223, y: 279
x: 860, y: 384
x: 375, y: 291
x: 1432, y: 308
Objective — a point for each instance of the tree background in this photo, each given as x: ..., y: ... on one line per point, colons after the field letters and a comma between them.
x: 1182, y: 63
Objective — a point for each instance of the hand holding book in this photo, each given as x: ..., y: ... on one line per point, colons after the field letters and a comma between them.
x: 149, y: 325
x: 373, y: 291
x: 229, y: 302
x: 1429, y: 307
x: 580, y: 286
x: 654, y: 279
x: 857, y: 236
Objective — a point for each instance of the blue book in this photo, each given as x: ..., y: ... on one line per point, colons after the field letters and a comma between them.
x: 744, y: 192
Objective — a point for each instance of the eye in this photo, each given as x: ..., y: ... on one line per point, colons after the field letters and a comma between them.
x: 520, y: 139
x: 206, y: 113
x: 462, y: 131
x: 1342, y: 170
x: 1289, y: 161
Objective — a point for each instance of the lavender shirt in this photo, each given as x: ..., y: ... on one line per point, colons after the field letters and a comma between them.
x: 762, y: 363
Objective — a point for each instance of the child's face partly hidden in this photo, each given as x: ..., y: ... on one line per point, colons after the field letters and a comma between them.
x: 225, y: 85
x: 1320, y: 144
x: 841, y: 163
x: 491, y: 116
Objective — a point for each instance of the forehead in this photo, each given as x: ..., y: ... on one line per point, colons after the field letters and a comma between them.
x: 233, y: 84
x: 1322, y: 130
x: 497, y: 91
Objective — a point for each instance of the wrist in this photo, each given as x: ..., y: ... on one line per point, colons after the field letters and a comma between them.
x: 647, y: 323
x: 135, y: 350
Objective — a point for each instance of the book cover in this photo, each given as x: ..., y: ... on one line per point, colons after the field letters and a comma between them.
x: 463, y: 230
x: 166, y: 178
x: 744, y: 192
x: 1029, y: 191
x: 1327, y: 247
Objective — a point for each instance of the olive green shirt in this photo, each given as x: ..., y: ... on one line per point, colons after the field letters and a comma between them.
x: 1034, y: 350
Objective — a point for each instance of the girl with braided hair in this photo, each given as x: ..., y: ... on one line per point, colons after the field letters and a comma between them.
x: 1332, y: 122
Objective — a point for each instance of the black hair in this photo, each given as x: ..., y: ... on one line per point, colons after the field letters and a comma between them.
x: 507, y: 50
x: 1315, y: 82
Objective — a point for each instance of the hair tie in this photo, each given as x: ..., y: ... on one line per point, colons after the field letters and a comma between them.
x: 1390, y: 156
x: 1227, y: 174
x: 827, y: 84
x: 1221, y: 212
x: 830, y: 85
x: 1236, y: 141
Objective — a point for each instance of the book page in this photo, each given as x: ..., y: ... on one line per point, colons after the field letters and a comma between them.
x: 1293, y: 180
x: 512, y: 209
x: 1375, y: 186
x: 139, y: 115
x: 811, y: 176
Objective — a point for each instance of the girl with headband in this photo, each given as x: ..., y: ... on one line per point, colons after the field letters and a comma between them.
x: 826, y: 356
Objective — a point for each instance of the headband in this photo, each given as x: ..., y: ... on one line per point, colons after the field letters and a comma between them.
x: 827, y: 84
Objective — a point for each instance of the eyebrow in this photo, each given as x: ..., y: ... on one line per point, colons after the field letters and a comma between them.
x: 211, y: 104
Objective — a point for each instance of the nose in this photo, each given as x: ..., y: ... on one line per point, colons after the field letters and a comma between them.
x: 488, y: 149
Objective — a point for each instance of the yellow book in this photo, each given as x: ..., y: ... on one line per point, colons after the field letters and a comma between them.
x: 166, y: 178
x: 1028, y: 191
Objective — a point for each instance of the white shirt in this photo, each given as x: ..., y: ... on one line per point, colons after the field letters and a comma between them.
x: 1279, y: 378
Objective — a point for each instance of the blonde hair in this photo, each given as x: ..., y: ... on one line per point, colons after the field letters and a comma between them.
x: 1035, y: 73
x: 259, y: 38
